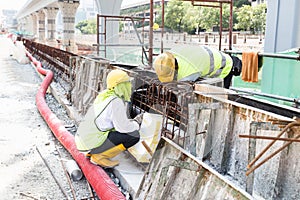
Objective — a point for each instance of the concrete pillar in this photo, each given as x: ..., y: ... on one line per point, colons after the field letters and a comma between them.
x: 283, y: 25
x: 29, y: 26
x: 22, y: 24
x: 34, y: 23
x: 281, y: 76
x: 51, y: 13
x: 26, y: 27
x: 68, y: 12
x: 112, y: 28
x: 41, y: 26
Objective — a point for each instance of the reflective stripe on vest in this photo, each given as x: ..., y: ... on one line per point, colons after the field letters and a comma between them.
x: 206, y: 61
x: 212, y: 60
x: 213, y: 67
x: 223, y: 64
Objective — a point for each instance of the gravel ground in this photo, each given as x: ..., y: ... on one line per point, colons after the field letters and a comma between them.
x: 32, y: 160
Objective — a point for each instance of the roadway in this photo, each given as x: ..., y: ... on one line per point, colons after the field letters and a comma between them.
x: 31, y: 160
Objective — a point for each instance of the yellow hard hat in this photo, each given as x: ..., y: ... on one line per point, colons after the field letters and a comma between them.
x: 115, y: 77
x: 164, y: 66
x: 155, y: 26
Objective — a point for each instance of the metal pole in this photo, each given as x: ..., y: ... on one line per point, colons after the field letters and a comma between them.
x: 272, y: 55
x: 230, y: 25
x: 264, y: 95
x: 221, y: 26
x: 162, y: 25
x: 98, y: 43
x: 151, y: 35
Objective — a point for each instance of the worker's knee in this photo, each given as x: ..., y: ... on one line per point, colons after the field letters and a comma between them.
x: 133, y: 138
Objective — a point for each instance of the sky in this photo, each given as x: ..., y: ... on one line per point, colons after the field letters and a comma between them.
x: 18, y: 4
x: 12, y: 4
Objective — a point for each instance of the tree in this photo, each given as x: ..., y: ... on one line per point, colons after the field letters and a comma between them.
x: 252, y: 18
x: 87, y: 27
x: 175, y: 12
x: 259, y: 17
x: 189, y: 19
x: 244, y: 15
x: 240, y: 3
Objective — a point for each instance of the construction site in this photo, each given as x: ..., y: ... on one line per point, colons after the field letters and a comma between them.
x: 201, y: 140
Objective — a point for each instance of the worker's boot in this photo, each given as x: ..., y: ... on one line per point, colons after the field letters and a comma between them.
x: 103, y: 160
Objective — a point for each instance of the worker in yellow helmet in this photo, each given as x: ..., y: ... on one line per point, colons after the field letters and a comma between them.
x: 106, y: 130
x: 191, y: 63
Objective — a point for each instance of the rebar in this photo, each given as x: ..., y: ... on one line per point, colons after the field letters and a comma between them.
x: 48, y: 167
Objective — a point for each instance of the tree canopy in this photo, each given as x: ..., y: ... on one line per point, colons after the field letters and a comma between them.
x: 87, y: 27
x: 182, y: 16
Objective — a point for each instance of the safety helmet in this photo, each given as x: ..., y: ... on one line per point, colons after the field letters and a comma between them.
x: 164, y: 66
x: 115, y: 77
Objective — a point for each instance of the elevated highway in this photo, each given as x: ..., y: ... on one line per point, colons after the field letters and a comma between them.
x: 39, y: 18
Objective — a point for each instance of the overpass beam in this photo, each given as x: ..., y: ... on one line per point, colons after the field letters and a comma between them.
x: 68, y: 12
x: 51, y: 13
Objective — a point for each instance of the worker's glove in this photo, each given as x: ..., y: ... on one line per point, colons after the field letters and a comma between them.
x: 139, y: 119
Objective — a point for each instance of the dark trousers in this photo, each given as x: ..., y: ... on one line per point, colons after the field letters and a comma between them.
x: 115, y: 138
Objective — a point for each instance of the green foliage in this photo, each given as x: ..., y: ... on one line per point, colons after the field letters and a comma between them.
x: 174, y: 15
x: 240, y: 3
x: 244, y: 16
x: 259, y: 17
x: 182, y: 16
x: 87, y: 27
x: 252, y: 18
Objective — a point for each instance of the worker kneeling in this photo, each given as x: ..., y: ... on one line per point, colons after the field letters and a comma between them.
x: 106, y: 130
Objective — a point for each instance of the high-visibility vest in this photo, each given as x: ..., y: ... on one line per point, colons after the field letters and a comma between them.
x: 88, y: 135
x: 206, y: 61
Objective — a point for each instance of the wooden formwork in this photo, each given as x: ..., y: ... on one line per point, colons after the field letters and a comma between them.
x: 212, y: 162
x: 89, y: 77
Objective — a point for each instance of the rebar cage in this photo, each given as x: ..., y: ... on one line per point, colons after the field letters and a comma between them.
x: 168, y: 99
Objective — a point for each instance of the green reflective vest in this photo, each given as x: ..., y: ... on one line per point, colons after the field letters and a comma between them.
x: 88, y: 136
x: 206, y: 61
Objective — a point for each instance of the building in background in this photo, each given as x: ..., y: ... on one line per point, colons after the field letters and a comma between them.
x: 256, y: 2
x: 8, y: 19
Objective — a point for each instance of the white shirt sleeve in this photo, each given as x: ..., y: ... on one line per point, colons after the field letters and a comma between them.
x: 119, y: 117
x: 115, y: 116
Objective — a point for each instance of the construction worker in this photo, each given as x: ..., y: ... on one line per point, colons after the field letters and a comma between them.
x: 191, y: 63
x: 106, y: 130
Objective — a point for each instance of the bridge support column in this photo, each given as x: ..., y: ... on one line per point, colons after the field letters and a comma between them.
x: 30, y: 24
x: 34, y: 26
x: 51, y: 13
x: 112, y: 27
x: 27, y: 25
x: 41, y: 26
x: 22, y: 25
x: 68, y: 11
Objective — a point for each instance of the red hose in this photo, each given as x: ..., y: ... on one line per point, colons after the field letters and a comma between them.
x: 96, y: 176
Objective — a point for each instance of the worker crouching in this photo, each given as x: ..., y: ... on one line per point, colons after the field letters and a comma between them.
x: 191, y: 63
x: 106, y: 129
